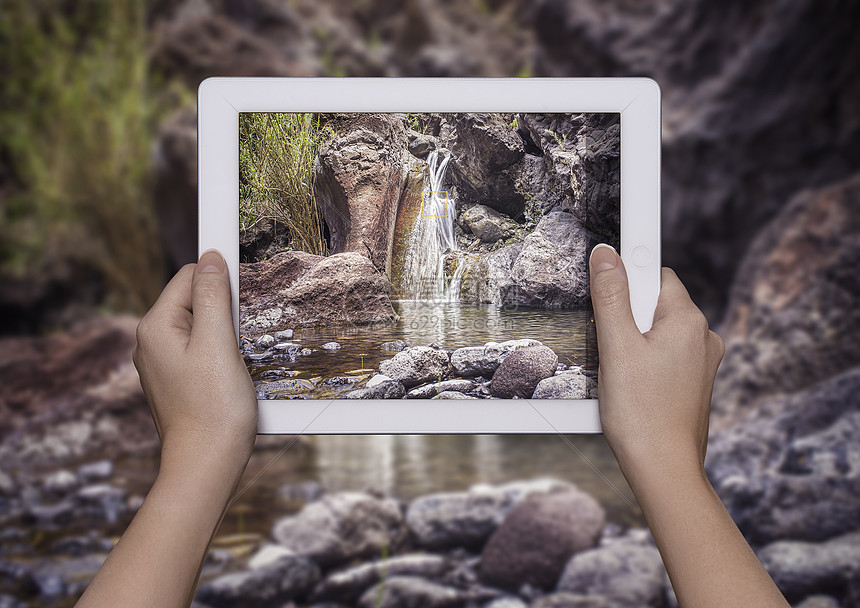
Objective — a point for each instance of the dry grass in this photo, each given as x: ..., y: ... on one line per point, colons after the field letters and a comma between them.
x: 276, y: 169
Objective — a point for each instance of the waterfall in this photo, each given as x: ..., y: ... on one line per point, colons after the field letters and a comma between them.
x: 432, y: 241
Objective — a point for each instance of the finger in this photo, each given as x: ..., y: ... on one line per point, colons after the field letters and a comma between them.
x: 673, y: 299
x: 210, y: 301
x: 172, y: 310
x: 610, y: 296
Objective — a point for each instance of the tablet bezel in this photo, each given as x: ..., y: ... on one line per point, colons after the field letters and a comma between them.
x: 220, y: 100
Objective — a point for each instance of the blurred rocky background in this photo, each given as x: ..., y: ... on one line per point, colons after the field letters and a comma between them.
x: 761, y: 219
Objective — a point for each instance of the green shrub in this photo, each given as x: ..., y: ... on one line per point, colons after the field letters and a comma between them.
x: 77, y: 122
x: 276, y: 175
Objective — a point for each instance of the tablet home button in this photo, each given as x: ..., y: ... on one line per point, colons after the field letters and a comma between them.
x: 641, y: 256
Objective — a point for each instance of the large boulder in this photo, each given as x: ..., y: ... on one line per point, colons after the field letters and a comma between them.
x: 538, y: 537
x: 466, y: 519
x: 551, y: 270
x: 579, y: 170
x: 341, y: 527
x: 359, y: 178
x: 521, y: 371
x: 785, y: 470
x: 298, y: 289
x: 286, y: 578
x: 486, y: 223
x: 794, y: 303
x: 626, y: 573
x: 487, y: 158
x: 416, y: 365
x: 801, y: 568
x: 73, y: 395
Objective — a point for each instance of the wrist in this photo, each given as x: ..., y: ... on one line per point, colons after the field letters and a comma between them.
x: 647, y: 466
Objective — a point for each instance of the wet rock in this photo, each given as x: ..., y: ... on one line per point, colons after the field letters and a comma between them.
x: 802, y: 568
x: 387, y: 389
x: 359, y: 176
x: 507, y: 602
x: 286, y: 578
x: 466, y: 519
x: 625, y: 573
x: 538, y: 537
x: 331, y: 346
x: 520, y: 372
x: 284, y: 388
x: 422, y: 145
x: 96, y: 471
x: 485, y: 223
x: 305, y: 352
x: 568, y: 384
x: 340, y: 381
x: 61, y: 482
x: 298, y: 289
x: 265, y: 341
x: 283, y: 335
x: 453, y: 395
x: 341, y: 527
x: 394, y: 345
x: 409, y: 591
x: 789, y: 468
x: 416, y: 365
x: 484, y: 360
x: 348, y: 585
x: 428, y: 391
x: 550, y: 271
x: 486, y: 160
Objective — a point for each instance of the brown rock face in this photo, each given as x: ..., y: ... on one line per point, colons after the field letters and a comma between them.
x: 538, y: 537
x: 71, y: 395
x: 298, y: 289
x: 360, y: 176
x: 794, y: 314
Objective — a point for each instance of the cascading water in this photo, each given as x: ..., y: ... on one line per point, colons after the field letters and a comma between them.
x: 432, y: 241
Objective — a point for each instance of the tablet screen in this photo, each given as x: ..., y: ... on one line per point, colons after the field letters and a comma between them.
x: 423, y: 255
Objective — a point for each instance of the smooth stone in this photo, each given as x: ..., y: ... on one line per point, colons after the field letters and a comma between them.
x: 376, y: 380
x: 331, y: 346
x: 484, y: 360
x: 428, y: 391
x: 466, y: 519
x: 265, y: 341
x: 284, y: 334
x: 346, y: 586
x: 568, y: 384
x: 453, y: 395
x: 416, y: 365
x: 411, y: 591
x: 626, y: 573
x: 522, y: 370
x: 340, y: 527
x: 388, y: 389
x: 286, y: 578
x: 538, y: 537
x: 394, y: 345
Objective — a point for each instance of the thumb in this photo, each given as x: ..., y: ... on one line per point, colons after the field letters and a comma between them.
x: 211, y: 306
x: 610, y: 296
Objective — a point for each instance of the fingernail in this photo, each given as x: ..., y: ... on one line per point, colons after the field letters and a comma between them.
x: 603, y: 257
x: 211, y: 261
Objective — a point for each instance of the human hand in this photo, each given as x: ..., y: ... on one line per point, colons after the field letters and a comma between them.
x: 654, y: 388
x: 195, y: 381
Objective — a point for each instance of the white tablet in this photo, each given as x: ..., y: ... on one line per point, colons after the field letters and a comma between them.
x: 411, y: 255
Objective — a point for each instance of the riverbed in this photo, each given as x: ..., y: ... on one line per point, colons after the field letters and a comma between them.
x: 448, y: 325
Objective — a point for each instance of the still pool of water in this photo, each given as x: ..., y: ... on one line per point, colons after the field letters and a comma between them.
x: 449, y: 325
